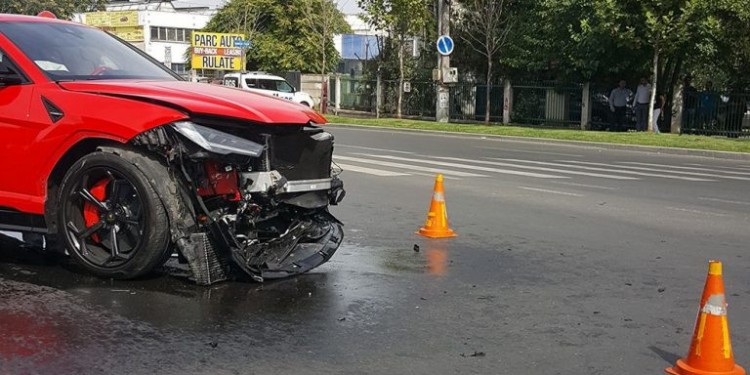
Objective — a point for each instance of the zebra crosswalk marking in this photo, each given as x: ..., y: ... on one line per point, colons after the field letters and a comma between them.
x: 372, y: 171
x: 408, y: 166
x: 609, y: 170
x: 661, y: 170
x: 580, y: 173
x: 467, y: 166
x: 688, y: 168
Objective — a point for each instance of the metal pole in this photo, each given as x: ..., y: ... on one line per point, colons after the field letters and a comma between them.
x: 442, y: 113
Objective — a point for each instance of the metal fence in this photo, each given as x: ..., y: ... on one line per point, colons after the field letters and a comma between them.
x: 469, y: 102
x: 356, y: 94
x: 711, y: 113
x: 547, y: 105
x: 538, y: 104
x: 418, y: 99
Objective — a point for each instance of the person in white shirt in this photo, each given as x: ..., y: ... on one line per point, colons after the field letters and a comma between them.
x: 618, y: 102
x: 640, y: 102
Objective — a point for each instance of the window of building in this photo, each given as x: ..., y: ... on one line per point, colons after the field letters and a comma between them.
x: 170, y: 34
x: 179, y: 68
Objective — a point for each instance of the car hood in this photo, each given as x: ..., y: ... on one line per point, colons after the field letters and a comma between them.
x: 203, y: 99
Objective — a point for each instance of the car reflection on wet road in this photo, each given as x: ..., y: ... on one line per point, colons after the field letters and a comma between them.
x: 55, y: 317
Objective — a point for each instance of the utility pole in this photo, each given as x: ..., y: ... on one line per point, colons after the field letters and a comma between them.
x: 443, y: 64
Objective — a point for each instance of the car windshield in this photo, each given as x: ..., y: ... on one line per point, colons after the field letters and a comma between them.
x: 71, y: 52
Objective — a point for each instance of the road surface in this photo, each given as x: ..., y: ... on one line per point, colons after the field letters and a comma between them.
x: 569, y: 260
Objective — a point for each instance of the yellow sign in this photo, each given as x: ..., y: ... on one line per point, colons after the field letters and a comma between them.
x: 112, y: 19
x: 216, y: 51
x: 128, y: 34
x: 124, y: 24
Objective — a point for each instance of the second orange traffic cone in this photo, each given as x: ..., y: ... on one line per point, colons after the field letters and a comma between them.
x: 436, y: 225
x: 710, y: 350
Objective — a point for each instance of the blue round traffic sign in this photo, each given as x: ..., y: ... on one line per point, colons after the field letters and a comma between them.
x: 445, y: 45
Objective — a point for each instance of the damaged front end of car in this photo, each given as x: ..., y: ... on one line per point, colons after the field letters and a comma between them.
x: 248, y: 197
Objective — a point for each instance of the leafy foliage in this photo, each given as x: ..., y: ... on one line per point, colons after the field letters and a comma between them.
x: 61, y: 8
x: 285, y: 34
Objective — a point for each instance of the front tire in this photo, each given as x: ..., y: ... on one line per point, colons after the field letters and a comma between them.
x: 112, y: 221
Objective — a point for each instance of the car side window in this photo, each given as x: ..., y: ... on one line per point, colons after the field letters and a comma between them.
x: 284, y: 86
x: 266, y: 84
x: 251, y: 83
x: 8, y: 68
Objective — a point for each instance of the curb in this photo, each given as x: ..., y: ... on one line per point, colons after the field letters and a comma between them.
x: 727, y: 155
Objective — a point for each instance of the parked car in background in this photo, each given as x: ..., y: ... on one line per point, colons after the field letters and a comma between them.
x: 268, y: 84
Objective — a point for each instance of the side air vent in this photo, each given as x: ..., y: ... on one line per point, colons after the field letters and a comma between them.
x: 55, y: 113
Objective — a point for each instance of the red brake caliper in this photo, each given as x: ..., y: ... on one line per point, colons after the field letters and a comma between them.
x: 90, y: 211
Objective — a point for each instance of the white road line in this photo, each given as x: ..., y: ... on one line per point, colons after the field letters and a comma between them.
x: 418, y: 168
x: 375, y: 149
x: 688, y: 168
x: 501, y: 164
x: 724, y: 201
x: 740, y: 168
x: 466, y: 166
x: 551, y: 191
x: 530, y: 152
x: 660, y: 170
x: 608, y: 170
x: 585, y: 185
x: 374, y: 172
x: 697, y: 211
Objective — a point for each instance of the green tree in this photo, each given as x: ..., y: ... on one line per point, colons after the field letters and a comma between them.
x: 323, y: 19
x: 63, y: 9
x: 400, y: 19
x: 281, y: 33
x: 486, y: 26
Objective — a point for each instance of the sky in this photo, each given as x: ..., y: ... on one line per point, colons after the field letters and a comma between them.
x: 346, y: 6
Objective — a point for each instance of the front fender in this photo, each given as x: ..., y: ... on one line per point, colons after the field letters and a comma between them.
x: 86, y: 116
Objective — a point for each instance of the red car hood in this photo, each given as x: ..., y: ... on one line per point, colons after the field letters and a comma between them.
x: 205, y: 99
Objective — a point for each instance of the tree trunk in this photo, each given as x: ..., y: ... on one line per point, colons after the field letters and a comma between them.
x: 488, y: 91
x: 400, y: 76
x: 670, y: 87
x: 323, y: 80
x: 653, y: 90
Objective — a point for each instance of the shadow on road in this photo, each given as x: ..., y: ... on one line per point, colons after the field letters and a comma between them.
x: 670, y: 357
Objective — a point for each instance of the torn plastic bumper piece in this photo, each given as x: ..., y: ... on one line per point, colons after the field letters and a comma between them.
x: 306, y: 245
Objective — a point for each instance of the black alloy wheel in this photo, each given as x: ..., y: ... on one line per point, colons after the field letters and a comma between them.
x: 112, y: 221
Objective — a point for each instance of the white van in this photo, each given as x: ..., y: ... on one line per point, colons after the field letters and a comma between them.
x: 267, y: 84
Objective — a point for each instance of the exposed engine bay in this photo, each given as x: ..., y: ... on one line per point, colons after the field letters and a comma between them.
x: 248, y: 197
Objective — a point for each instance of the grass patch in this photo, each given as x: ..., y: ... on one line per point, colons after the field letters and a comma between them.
x: 643, y: 139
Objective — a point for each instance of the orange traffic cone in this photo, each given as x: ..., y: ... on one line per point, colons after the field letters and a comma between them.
x: 436, y: 225
x: 710, y: 350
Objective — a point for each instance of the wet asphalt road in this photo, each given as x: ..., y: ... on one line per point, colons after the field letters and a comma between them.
x: 573, y: 273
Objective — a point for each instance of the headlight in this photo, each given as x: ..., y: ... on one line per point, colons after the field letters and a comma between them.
x: 217, y: 142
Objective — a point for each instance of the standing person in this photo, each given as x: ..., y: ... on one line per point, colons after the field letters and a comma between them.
x: 658, y: 110
x: 689, y: 103
x: 736, y: 109
x: 708, y: 99
x: 640, y: 102
x: 618, y: 103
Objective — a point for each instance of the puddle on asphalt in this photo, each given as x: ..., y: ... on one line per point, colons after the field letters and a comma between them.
x: 356, y: 285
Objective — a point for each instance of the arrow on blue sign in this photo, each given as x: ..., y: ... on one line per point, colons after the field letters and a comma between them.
x: 445, y: 45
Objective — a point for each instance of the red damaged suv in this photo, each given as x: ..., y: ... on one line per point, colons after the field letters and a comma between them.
x: 115, y: 159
